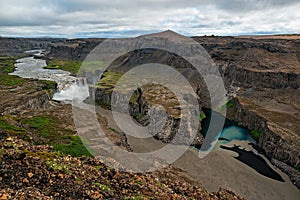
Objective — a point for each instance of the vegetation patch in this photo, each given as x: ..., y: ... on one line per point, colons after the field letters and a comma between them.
x: 112, y: 129
x: 91, y: 66
x: 229, y: 104
x: 202, y: 116
x: 11, y: 128
x: 63, y: 140
x: 138, y: 116
x: 48, y: 85
x: 103, y: 187
x: 43, y: 124
x: 11, y: 80
x: 108, y: 79
x: 72, y: 145
x: 7, y: 64
x: 55, y: 166
x: 255, y: 134
x: 70, y: 66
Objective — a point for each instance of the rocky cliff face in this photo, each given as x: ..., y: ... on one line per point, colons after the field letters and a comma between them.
x: 16, y: 46
x: 143, y: 108
x: 76, y: 49
x: 31, y: 95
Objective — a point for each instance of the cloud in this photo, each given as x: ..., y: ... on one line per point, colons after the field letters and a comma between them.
x: 123, y: 18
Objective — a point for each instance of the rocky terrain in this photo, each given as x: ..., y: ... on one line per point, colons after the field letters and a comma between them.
x: 260, y: 74
x: 262, y: 77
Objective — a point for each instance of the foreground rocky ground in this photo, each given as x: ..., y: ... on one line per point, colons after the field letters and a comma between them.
x: 38, y: 172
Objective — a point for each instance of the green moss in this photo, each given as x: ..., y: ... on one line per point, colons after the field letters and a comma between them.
x: 43, y: 124
x: 229, y: 104
x: 103, y: 187
x: 109, y: 79
x: 11, y: 80
x: 11, y: 128
x: 202, y: 116
x: 72, y: 145
x: 2, y: 151
x: 63, y: 140
x: 91, y: 66
x: 112, y: 129
x: 138, y: 116
x: 52, y: 67
x: 42, y: 154
x: 49, y: 85
x: 137, y: 182
x: 70, y: 66
x: 57, y: 167
x: 98, y: 167
x: 240, y: 124
x: 7, y: 65
x: 255, y: 134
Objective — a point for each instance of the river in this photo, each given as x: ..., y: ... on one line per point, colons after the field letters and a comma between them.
x: 69, y: 87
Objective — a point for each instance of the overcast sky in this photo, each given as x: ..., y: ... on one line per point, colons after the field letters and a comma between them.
x: 123, y: 18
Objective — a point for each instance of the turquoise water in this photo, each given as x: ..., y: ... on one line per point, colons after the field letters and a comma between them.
x: 236, y: 133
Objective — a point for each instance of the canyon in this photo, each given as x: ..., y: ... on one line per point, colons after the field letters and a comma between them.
x: 261, y: 76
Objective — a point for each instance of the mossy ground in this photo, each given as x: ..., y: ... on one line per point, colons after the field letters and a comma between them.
x: 62, y: 139
x: 12, y: 129
x: 255, y: 134
x: 70, y: 66
x: 109, y: 79
x: 11, y: 80
x: 7, y: 64
x: 75, y: 67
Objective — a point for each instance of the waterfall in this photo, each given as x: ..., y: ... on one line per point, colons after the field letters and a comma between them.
x: 77, y: 91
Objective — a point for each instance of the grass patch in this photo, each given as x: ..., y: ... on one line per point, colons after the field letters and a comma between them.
x: 11, y: 128
x: 137, y: 182
x: 7, y: 64
x: 240, y: 124
x: 229, y: 104
x: 49, y: 85
x: 138, y: 116
x: 70, y: 66
x: 61, y: 139
x: 255, y: 134
x: 202, y: 116
x: 11, y: 80
x: 109, y: 79
x: 91, y: 66
x: 73, y: 146
x: 99, y: 167
x: 43, y: 124
x: 43, y: 155
x: 57, y: 167
x: 112, y: 129
x: 103, y: 187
